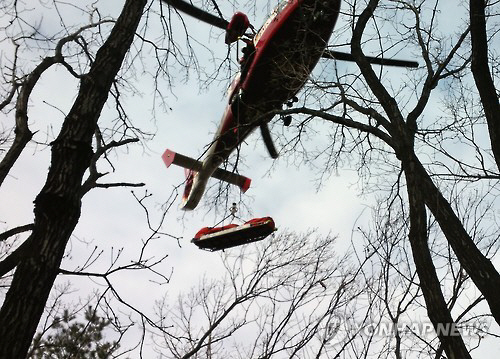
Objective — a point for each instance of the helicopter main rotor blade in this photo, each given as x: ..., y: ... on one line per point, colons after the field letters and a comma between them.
x: 198, y: 13
x: 330, y: 54
x: 268, y: 140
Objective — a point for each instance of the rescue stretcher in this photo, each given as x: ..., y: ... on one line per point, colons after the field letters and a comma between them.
x: 232, y: 235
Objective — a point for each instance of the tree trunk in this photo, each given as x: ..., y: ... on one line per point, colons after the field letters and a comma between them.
x: 437, y: 310
x: 478, y: 266
x: 22, y: 131
x: 482, y: 75
x: 57, y: 207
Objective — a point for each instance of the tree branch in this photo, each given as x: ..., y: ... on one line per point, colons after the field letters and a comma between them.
x: 13, y: 231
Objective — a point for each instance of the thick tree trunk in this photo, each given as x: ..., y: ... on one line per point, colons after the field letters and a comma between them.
x: 482, y: 75
x: 57, y: 207
x: 478, y: 266
x: 437, y: 310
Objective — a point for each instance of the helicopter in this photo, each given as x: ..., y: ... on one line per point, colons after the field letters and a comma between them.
x: 276, y: 63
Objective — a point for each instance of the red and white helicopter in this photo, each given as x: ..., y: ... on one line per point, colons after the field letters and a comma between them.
x: 277, y: 61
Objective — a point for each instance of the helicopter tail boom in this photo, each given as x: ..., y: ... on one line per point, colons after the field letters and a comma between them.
x: 170, y: 157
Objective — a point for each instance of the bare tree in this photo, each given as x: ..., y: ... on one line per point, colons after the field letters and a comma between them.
x: 400, y: 296
x: 390, y: 130
x: 285, y: 296
x: 299, y: 295
x: 385, y: 123
x: 57, y: 207
x: 102, y: 56
x: 96, y: 66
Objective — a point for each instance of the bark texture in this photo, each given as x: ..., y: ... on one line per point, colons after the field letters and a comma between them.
x: 57, y: 207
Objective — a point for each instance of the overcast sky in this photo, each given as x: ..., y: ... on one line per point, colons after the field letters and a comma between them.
x: 112, y: 217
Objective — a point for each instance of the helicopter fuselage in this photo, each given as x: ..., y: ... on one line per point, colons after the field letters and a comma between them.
x: 276, y: 64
